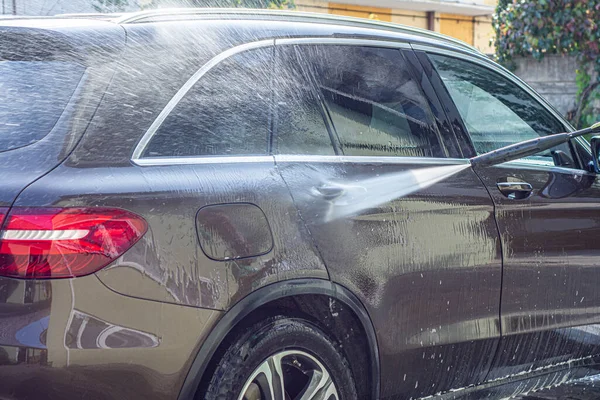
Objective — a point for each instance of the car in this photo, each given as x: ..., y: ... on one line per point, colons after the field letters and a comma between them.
x: 244, y: 204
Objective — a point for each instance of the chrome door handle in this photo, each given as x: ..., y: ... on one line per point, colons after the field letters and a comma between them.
x: 515, y: 190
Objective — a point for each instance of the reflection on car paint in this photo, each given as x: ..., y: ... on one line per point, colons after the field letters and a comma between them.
x: 89, y: 332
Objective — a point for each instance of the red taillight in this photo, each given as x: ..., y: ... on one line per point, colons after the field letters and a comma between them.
x: 42, y: 243
x: 3, y: 212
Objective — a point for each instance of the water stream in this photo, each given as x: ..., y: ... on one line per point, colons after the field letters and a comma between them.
x: 373, y: 192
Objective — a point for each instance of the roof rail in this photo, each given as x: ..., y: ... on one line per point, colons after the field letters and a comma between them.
x: 157, y: 15
x: 99, y: 16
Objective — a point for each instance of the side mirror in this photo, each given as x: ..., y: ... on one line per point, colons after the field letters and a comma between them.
x: 595, y: 144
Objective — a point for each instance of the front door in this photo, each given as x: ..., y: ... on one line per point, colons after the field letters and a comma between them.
x: 408, y: 229
x: 548, y: 214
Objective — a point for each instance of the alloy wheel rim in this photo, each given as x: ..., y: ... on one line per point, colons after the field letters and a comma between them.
x: 290, y: 375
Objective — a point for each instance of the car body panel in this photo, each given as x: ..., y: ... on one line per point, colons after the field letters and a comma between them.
x: 433, y: 297
x: 168, y: 263
x: 550, y: 302
x: 93, y: 342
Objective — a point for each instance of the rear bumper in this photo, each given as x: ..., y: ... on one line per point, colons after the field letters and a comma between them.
x: 75, y: 338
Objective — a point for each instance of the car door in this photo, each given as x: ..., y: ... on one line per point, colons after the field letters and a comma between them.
x: 221, y: 219
x: 396, y: 220
x: 548, y: 215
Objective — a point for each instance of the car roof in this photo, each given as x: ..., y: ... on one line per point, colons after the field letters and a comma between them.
x: 318, y: 21
x: 289, y: 16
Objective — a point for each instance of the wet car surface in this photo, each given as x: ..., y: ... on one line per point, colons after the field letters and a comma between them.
x: 584, y: 389
x: 289, y: 199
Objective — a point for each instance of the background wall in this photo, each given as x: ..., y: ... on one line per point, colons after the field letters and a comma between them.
x: 474, y: 30
x: 553, y: 77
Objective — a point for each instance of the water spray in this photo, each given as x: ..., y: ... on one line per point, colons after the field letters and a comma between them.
x: 352, y: 199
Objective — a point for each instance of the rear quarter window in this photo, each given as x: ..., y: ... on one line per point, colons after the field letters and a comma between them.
x: 225, y: 113
x: 33, y: 95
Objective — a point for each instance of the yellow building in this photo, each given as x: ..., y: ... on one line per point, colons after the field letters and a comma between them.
x: 467, y: 20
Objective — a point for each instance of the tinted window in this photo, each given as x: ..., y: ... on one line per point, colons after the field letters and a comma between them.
x: 375, y: 104
x: 33, y: 95
x: 300, y: 123
x: 496, y: 111
x: 225, y: 113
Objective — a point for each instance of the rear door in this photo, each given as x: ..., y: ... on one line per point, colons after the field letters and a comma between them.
x: 548, y: 213
x: 395, y: 216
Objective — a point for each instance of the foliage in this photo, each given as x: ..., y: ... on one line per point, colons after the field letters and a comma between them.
x: 537, y: 27
x: 279, y: 4
x: 540, y: 27
x: 110, y: 6
x: 587, y: 95
x: 502, y: 5
x: 282, y: 4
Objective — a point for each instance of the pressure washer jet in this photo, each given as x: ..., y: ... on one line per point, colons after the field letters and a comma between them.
x: 352, y: 199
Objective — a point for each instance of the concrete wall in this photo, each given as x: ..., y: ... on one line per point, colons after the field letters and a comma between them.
x: 553, y: 77
x: 483, y: 34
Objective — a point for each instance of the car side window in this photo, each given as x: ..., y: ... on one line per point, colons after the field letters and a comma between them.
x: 225, y: 113
x: 496, y: 111
x: 375, y: 105
x: 300, y: 126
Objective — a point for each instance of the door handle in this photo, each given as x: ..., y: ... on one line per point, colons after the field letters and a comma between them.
x: 330, y: 192
x: 515, y: 190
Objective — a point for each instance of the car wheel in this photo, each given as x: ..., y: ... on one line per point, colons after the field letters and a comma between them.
x: 282, y: 359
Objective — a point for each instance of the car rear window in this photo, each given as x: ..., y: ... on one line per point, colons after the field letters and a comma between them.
x: 33, y: 95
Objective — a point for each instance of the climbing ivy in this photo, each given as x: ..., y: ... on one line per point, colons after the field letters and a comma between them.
x: 539, y: 27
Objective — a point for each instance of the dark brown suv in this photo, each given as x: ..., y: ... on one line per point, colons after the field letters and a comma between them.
x: 257, y: 205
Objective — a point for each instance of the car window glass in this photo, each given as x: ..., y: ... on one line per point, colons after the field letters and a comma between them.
x: 33, y: 95
x: 300, y: 123
x: 496, y: 112
x: 225, y: 113
x: 375, y: 105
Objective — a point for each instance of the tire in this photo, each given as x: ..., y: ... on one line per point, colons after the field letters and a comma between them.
x: 299, y: 347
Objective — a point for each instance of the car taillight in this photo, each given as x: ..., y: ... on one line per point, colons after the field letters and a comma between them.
x: 42, y: 243
x: 3, y: 212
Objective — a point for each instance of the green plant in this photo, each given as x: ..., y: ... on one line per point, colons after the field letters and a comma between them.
x: 539, y: 27
x: 110, y: 6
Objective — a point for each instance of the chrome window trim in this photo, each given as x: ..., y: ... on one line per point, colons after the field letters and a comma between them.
x: 141, y: 146
x: 159, y: 161
x: 481, y: 60
x: 300, y: 158
x: 487, y: 63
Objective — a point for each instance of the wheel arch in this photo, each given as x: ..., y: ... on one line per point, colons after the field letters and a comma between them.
x: 268, y: 294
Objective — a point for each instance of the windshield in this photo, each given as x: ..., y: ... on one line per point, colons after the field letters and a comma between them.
x: 33, y: 95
